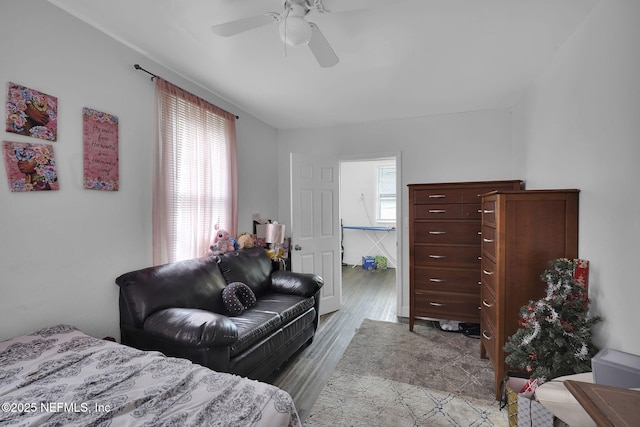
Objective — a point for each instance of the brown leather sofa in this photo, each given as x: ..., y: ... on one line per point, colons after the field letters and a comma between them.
x: 178, y: 309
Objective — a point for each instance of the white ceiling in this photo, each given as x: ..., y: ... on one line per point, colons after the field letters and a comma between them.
x: 398, y: 58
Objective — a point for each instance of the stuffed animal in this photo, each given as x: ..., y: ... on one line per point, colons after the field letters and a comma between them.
x: 245, y: 241
x: 221, y: 242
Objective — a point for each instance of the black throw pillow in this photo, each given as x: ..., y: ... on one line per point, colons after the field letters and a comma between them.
x: 237, y: 297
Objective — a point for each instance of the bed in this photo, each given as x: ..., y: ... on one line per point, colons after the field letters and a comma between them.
x: 59, y: 376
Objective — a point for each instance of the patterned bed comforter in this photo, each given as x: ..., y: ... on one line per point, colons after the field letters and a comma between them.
x: 60, y: 376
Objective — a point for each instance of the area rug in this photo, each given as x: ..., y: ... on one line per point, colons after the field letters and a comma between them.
x: 389, y: 376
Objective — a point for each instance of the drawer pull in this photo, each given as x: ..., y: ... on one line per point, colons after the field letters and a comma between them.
x: 486, y: 304
x: 479, y: 210
x: 437, y: 232
x: 433, y: 279
x: 437, y: 211
x: 488, y: 211
x: 437, y: 196
x: 437, y: 304
x: 488, y: 240
x: 487, y: 272
x: 485, y: 336
x: 437, y: 256
x: 479, y: 233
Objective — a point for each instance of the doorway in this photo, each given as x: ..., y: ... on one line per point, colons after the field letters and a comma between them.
x: 370, y: 200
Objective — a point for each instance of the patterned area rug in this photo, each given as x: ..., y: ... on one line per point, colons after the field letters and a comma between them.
x: 389, y: 376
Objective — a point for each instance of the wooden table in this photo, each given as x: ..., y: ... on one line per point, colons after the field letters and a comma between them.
x: 608, y: 406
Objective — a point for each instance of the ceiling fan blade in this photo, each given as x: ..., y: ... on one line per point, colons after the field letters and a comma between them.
x: 321, y: 48
x: 245, y: 24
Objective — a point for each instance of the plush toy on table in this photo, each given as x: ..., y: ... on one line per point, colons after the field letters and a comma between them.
x: 221, y: 242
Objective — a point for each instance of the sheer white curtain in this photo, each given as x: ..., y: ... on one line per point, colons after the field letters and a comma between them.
x: 195, y: 185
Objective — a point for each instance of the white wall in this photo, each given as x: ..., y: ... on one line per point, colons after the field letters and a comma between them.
x: 258, y: 190
x: 60, y: 251
x: 474, y: 146
x: 358, y: 207
x: 578, y: 126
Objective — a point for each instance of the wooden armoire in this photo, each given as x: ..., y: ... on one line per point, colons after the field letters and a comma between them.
x: 444, y: 249
x: 522, y: 231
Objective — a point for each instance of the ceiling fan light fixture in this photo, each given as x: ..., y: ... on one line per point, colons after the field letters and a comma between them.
x: 295, y: 31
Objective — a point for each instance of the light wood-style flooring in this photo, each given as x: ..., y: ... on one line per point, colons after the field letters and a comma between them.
x: 365, y: 294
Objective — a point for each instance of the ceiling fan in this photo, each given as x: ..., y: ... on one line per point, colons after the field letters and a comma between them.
x: 295, y: 30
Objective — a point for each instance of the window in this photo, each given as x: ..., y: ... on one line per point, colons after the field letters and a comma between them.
x: 195, y: 174
x: 387, y: 193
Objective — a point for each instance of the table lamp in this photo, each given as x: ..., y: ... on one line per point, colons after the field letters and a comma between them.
x: 275, y: 237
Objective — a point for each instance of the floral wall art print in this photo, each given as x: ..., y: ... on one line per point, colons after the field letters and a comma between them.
x: 31, y: 113
x: 100, y: 136
x: 30, y: 167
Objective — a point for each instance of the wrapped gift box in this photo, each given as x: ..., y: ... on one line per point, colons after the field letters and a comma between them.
x: 522, y: 408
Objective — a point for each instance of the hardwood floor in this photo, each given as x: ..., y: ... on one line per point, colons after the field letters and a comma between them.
x: 365, y: 294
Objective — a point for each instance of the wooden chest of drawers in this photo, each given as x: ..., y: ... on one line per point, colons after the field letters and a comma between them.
x: 444, y: 248
x: 522, y: 231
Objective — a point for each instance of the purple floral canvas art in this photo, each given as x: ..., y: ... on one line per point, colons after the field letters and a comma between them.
x: 31, y: 113
x: 30, y: 167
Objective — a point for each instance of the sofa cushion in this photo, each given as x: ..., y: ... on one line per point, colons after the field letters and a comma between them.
x: 250, y: 266
x: 259, y: 353
x: 191, y: 327
x: 237, y: 297
x: 288, y: 307
x: 253, y: 325
x: 262, y: 357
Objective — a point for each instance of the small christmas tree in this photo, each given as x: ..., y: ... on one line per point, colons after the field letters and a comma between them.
x: 555, y: 334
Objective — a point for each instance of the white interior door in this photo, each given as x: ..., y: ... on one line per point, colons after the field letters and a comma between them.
x: 315, y: 228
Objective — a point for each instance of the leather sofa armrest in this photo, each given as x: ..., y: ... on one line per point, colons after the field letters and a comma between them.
x: 301, y: 284
x: 191, y: 327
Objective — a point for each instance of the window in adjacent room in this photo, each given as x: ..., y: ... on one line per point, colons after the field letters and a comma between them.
x: 194, y: 176
x: 386, y: 194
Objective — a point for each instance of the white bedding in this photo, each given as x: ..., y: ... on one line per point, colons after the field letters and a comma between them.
x: 60, y: 376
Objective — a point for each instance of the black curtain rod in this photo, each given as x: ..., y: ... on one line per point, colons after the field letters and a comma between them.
x: 138, y: 67
x: 153, y: 76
